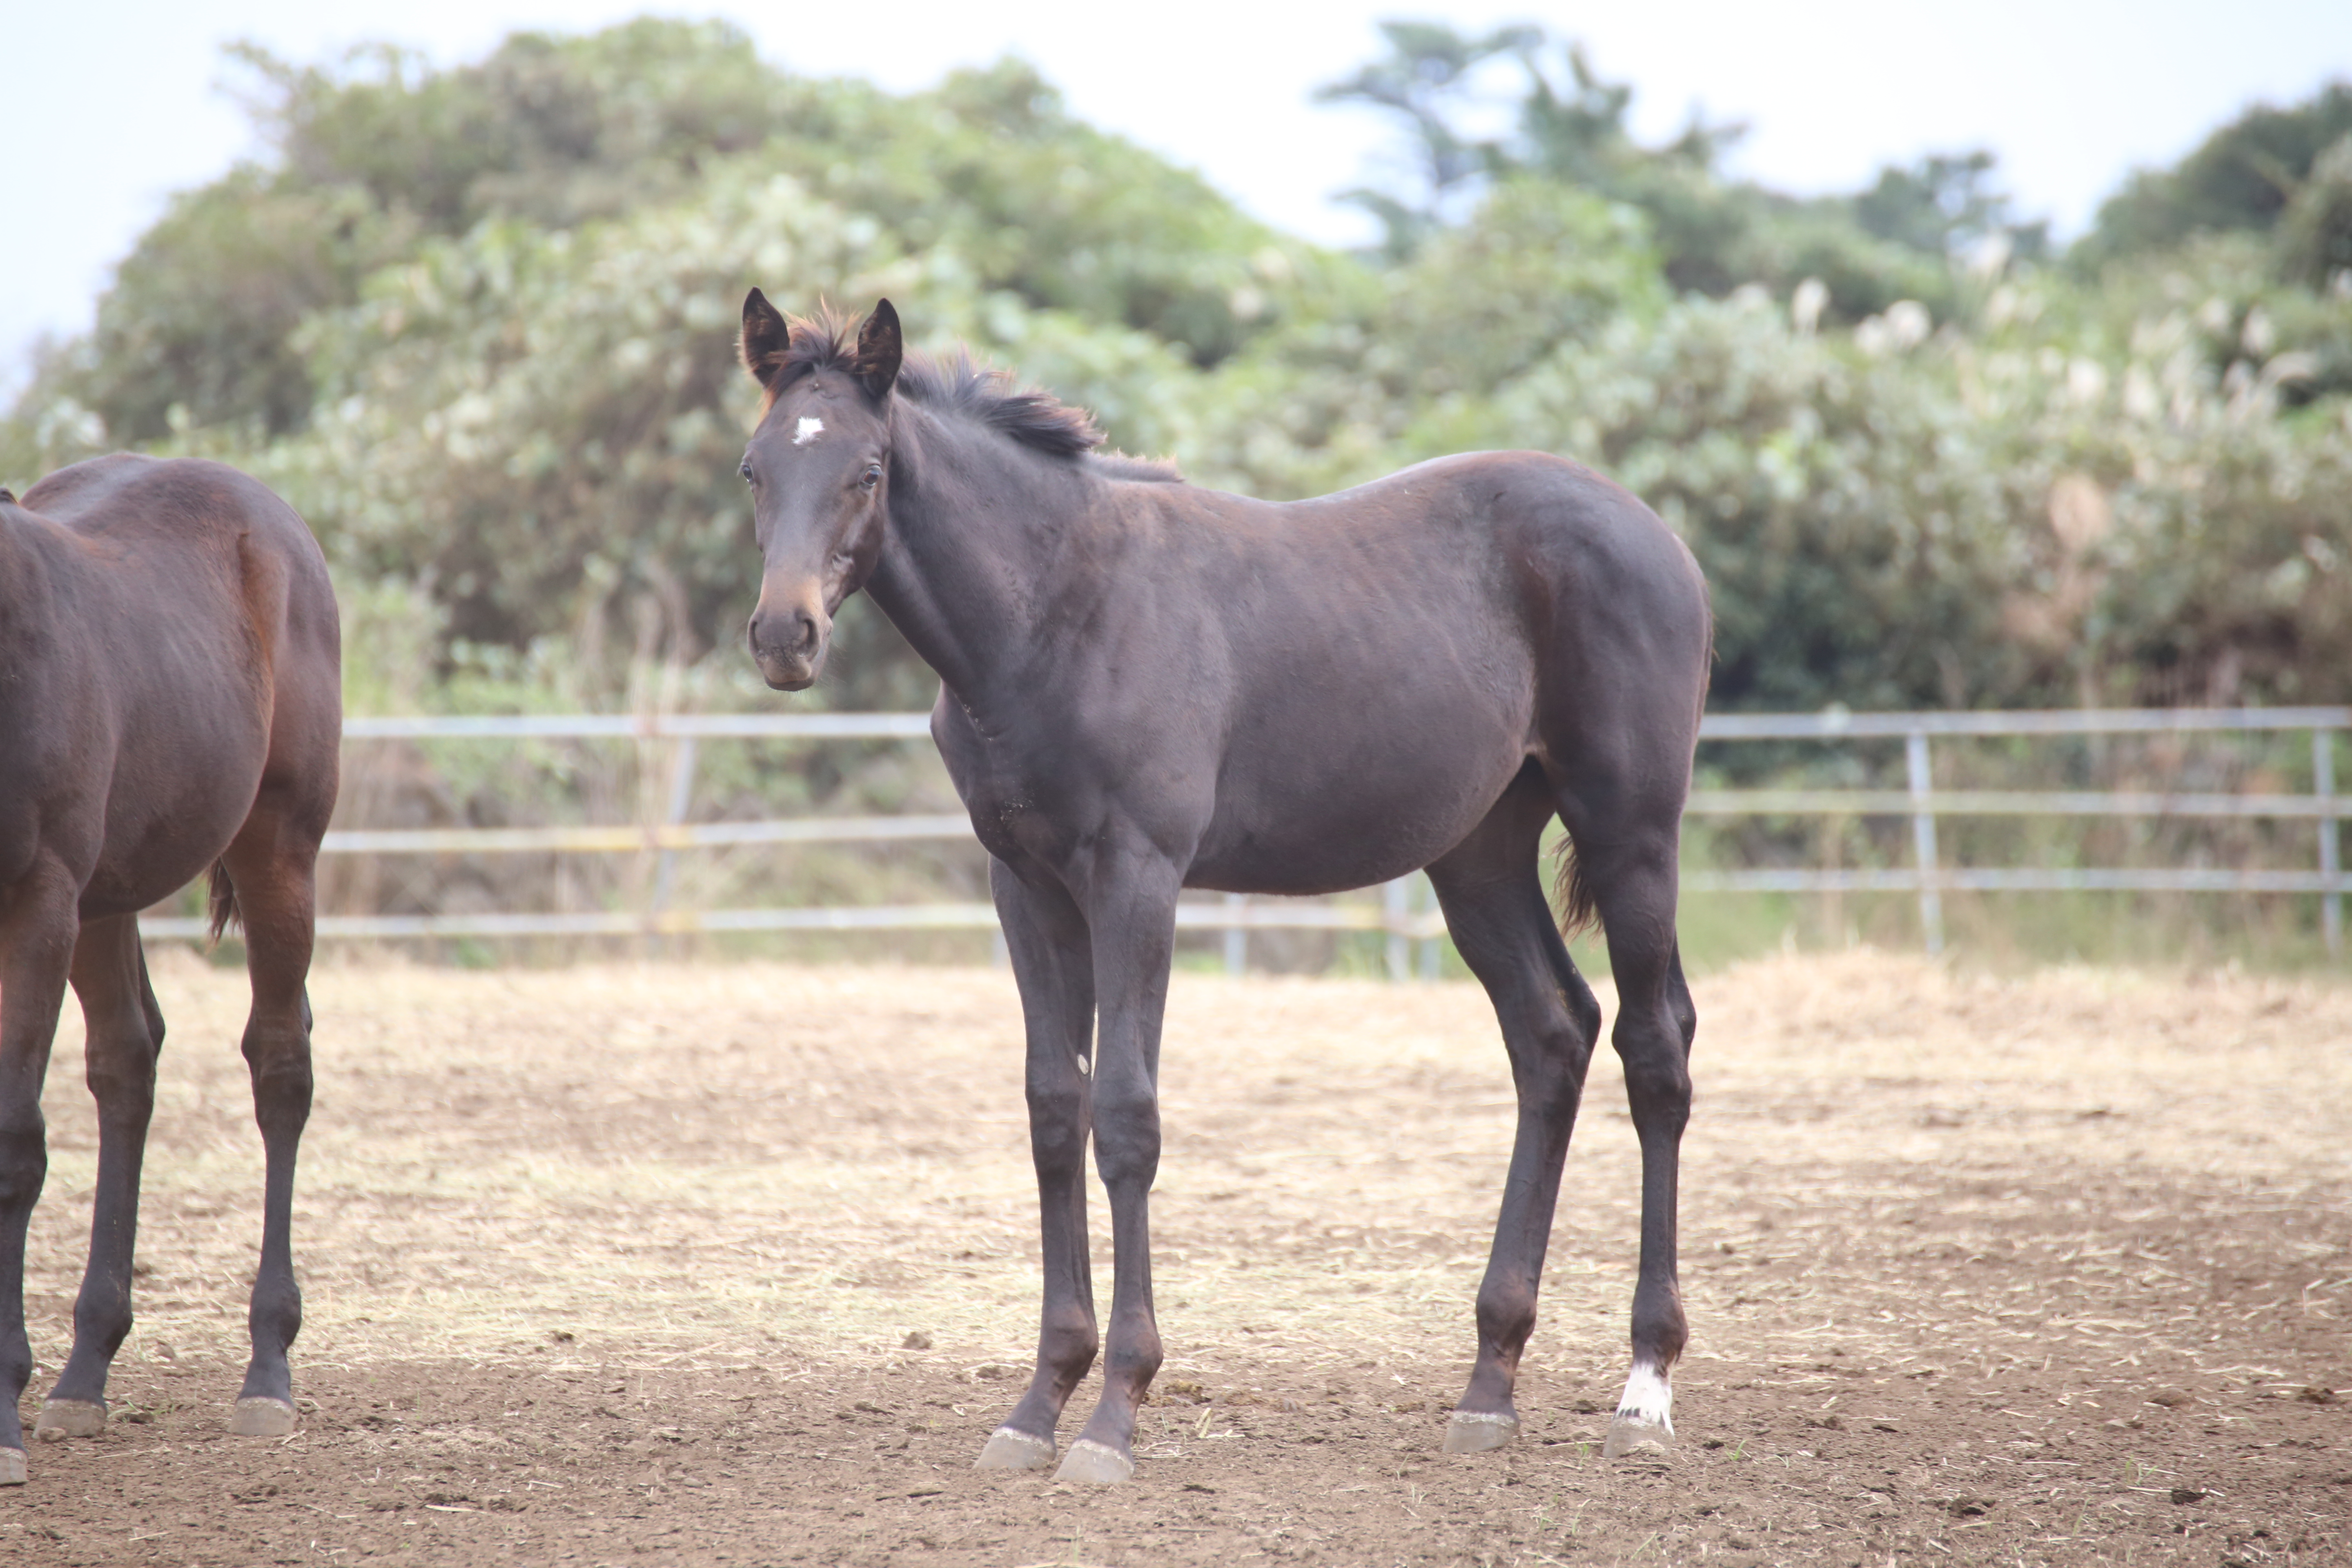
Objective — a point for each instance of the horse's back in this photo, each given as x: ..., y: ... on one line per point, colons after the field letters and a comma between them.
x: 1620, y: 630
x: 177, y: 528
x: 1542, y: 570
x: 1390, y: 657
x: 197, y: 643
x: 178, y: 507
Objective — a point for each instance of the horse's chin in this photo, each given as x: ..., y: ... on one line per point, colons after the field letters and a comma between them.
x: 788, y: 675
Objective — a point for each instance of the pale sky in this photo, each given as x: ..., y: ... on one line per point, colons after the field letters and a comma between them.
x: 114, y: 104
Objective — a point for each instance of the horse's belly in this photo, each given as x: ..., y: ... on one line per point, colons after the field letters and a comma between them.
x: 1316, y: 832
x: 182, y: 790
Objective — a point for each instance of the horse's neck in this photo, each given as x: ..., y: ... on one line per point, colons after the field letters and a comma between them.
x: 968, y: 558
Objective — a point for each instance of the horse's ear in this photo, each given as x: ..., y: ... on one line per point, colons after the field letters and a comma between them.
x: 879, y: 349
x: 766, y: 336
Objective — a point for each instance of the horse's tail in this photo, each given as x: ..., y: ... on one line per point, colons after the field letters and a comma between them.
x: 1573, y: 889
x: 224, y: 899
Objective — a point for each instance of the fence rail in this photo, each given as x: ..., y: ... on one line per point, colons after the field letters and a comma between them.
x: 1397, y: 915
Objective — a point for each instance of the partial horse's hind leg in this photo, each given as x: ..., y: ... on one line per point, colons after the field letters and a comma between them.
x: 1633, y: 868
x: 1131, y: 925
x: 124, y: 1030
x: 1492, y: 892
x: 1053, y: 962
x: 37, y: 928
x: 272, y: 866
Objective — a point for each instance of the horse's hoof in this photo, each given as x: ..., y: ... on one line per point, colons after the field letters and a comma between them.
x: 1637, y: 1436
x: 1088, y: 1460
x: 62, y: 1418
x: 12, y: 1467
x: 1009, y: 1450
x: 262, y: 1418
x: 1476, y: 1431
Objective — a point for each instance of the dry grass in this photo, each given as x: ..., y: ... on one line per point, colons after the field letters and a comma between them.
x: 613, y: 1265
x: 700, y: 1165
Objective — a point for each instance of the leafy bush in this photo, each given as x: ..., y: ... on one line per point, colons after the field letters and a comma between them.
x: 477, y: 324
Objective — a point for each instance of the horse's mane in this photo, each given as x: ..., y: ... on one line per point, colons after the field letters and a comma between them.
x: 955, y: 383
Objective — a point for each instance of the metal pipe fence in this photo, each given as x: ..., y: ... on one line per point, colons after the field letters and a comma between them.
x: 1403, y: 915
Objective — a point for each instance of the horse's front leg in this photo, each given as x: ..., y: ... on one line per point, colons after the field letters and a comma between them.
x: 37, y: 928
x: 1133, y: 917
x: 1054, y: 965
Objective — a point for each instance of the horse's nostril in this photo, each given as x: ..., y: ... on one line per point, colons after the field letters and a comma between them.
x: 795, y: 636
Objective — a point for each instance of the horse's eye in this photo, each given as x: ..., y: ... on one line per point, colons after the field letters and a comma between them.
x: 871, y: 476
x: 745, y: 469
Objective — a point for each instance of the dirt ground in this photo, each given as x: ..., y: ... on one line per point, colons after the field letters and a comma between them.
x: 645, y: 1263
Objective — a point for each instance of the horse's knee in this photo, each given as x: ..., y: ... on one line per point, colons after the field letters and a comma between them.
x: 1058, y: 1128
x: 1127, y: 1137
x: 120, y: 1067
x: 24, y: 1162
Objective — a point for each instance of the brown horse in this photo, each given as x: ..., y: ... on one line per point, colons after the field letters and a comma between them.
x: 170, y: 701
x: 1147, y: 687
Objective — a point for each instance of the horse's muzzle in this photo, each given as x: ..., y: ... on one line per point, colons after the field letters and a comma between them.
x: 789, y: 648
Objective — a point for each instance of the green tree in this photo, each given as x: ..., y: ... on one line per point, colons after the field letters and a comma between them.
x: 2242, y: 176
x: 1428, y: 78
x: 477, y: 322
x: 1568, y: 124
x: 2314, y: 232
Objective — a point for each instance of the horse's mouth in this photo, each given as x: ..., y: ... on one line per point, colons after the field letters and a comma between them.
x: 789, y: 674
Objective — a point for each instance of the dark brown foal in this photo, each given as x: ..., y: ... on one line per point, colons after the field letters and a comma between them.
x: 170, y: 701
x: 1147, y: 687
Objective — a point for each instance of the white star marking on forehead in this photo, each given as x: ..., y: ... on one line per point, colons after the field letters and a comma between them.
x: 808, y: 431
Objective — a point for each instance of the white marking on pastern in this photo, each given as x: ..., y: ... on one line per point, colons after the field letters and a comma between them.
x: 1649, y: 1398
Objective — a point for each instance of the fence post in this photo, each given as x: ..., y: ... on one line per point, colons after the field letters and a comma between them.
x: 1923, y: 840
x: 1431, y: 960
x: 1396, y: 905
x: 681, y: 801
x: 2323, y: 785
x: 1236, y: 938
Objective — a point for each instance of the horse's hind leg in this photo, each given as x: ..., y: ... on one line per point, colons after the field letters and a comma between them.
x: 1630, y: 861
x: 124, y: 1028
x: 272, y: 867
x: 1494, y: 900
x: 37, y: 928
